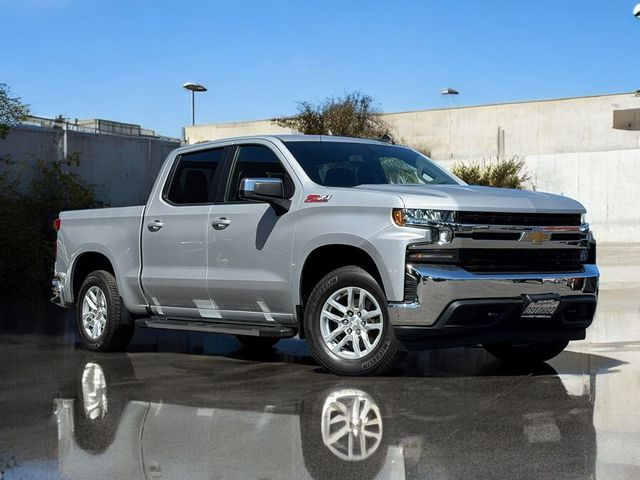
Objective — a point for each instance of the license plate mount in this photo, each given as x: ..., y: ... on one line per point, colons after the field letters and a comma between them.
x: 542, y: 307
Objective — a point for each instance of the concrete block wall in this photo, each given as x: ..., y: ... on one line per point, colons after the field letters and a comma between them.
x: 122, y: 169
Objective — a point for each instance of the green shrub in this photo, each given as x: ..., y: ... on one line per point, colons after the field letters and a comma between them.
x: 27, y: 210
x: 510, y: 173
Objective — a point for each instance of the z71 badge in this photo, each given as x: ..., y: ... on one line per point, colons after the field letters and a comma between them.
x: 317, y: 198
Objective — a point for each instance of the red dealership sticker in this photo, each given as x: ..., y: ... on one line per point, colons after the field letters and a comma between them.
x: 317, y: 198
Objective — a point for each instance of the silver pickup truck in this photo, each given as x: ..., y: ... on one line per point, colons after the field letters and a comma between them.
x: 363, y: 248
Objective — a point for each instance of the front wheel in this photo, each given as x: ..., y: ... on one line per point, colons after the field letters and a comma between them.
x: 526, y: 353
x: 347, y: 324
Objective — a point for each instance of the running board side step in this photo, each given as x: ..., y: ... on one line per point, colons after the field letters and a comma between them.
x: 215, y: 327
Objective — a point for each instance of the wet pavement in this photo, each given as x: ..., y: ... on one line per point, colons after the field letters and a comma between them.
x: 181, y: 405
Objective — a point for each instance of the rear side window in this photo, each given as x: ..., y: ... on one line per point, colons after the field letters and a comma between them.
x: 195, y: 177
x: 256, y: 161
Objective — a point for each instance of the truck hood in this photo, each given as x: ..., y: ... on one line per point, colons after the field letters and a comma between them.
x: 476, y: 198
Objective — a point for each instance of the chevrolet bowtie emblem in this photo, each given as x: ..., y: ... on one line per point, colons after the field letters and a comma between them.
x: 537, y: 237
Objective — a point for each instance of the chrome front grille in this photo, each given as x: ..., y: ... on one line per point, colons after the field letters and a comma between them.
x: 489, y: 242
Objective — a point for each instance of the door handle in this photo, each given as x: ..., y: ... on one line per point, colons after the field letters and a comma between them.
x: 155, y: 226
x: 221, y: 223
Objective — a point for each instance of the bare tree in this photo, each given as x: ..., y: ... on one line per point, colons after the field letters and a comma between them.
x: 353, y: 115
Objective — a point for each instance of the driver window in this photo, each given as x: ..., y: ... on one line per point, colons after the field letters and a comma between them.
x: 257, y: 161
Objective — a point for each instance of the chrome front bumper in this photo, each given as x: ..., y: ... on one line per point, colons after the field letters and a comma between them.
x: 441, y: 285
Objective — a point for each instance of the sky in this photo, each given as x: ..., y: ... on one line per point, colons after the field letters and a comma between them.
x: 127, y: 60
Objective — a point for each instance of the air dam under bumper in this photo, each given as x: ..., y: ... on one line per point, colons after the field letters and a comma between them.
x: 453, y: 302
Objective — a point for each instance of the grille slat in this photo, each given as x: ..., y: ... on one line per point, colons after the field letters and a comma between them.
x: 521, y: 260
x: 516, y: 219
x: 515, y: 236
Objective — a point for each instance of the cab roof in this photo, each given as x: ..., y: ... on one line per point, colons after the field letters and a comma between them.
x: 285, y: 138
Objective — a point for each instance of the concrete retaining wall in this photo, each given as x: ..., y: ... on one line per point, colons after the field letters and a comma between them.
x: 583, y: 124
x: 122, y: 168
x: 527, y: 128
x: 204, y: 133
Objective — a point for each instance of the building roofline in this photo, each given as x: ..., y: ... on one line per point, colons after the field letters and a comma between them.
x: 239, y: 122
x: 483, y: 105
x: 519, y: 102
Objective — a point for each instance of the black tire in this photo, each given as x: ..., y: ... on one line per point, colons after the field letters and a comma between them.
x: 109, y: 383
x: 382, y: 358
x: 119, y: 325
x: 526, y: 353
x: 257, y: 343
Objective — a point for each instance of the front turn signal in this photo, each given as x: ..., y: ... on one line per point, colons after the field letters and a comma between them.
x: 398, y: 216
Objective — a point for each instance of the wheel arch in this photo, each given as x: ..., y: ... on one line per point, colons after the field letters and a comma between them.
x: 86, y: 263
x: 327, y: 258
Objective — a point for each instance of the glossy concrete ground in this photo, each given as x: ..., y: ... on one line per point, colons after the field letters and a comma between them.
x: 182, y: 406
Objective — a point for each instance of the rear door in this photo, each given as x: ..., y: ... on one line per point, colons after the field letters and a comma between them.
x: 174, y: 235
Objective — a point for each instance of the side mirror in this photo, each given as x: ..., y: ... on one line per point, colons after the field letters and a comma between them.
x: 264, y: 189
x: 270, y: 190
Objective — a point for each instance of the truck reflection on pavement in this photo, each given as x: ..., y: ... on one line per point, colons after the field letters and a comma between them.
x: 118, y: 422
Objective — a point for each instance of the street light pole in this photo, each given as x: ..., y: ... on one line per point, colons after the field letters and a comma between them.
x: 193, y: 88
x: 193, y: 107
x: 448, y: 92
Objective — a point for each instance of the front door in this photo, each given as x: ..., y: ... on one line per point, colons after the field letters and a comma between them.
x: 250, y: 245
x: 174, y: 236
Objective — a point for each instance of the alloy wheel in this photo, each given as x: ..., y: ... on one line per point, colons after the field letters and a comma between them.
x: 351, y: 323
x: 94, y: 312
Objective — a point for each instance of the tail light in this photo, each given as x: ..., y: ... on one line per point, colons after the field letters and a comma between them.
x: 56, y: 224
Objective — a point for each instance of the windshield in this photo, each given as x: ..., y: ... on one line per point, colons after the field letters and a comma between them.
x: 348, y: 164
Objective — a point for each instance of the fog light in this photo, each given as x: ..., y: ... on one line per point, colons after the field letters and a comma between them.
x: 429, y: 256
x: 438, y: 235
x: 445, y: 235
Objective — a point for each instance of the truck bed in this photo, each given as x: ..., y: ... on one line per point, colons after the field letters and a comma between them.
x: 113, y: 232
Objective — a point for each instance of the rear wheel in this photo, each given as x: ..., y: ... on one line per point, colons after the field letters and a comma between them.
x: 347, y: 324
x: 257, y: 343
x: 104, y: 325
x: 526, y: 353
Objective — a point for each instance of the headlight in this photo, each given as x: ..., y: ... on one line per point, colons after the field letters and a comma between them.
x: 420, y: 217
x: 583, y: 218
x: 427, y: 220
